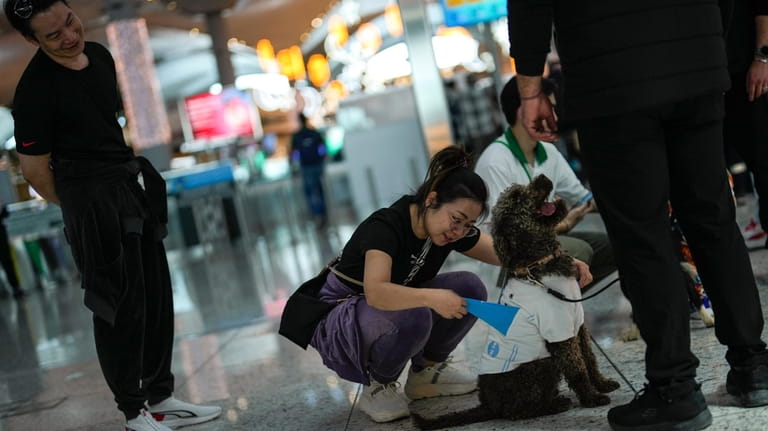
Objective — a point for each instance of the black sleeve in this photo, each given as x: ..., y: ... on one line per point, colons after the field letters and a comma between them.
x: 379, y: 234
x: 33, y: 117
x: 529, y: 24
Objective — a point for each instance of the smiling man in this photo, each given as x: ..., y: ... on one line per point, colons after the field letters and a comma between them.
x: 72, y: 151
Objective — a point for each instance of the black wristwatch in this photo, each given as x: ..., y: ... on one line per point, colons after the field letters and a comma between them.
x: 762, y: 51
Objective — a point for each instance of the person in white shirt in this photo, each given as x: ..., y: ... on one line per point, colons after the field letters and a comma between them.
x: 515, y: 158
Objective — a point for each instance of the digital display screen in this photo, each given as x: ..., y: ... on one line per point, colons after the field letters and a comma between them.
x: 470, y: 12
x: 228, y: 114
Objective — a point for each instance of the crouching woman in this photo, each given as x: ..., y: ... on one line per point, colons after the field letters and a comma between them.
x: 395, y: 307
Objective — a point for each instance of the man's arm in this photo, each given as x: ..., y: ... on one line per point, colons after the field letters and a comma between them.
x: 530, y: 32
x: 757, y: 76
x: 37, y: 172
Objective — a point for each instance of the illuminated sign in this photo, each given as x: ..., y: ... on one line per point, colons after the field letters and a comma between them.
x: 469, y: 12
x: 228, y: 114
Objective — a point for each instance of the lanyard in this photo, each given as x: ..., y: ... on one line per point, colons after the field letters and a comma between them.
x: 516, y: 151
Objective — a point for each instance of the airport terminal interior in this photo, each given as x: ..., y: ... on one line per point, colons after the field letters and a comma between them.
x: 241, y: 233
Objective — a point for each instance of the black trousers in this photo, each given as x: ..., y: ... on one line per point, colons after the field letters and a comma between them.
x: 745, y: 129
x: 637, y: 163
x: 135, y: 354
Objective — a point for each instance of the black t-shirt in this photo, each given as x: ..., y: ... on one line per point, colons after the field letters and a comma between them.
x: 71, y: 114
x: 389, y: 230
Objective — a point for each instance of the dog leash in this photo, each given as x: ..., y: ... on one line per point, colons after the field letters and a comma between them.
x: 562, y: 297
x: 623, y: 377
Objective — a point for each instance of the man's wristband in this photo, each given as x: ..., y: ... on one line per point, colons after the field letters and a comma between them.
x: 538, y: 93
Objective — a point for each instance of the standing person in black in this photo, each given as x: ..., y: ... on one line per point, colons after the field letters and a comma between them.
x: 72, y: 151
x: 647, y: 101
x: 746, y: 105
x: 309, y: 146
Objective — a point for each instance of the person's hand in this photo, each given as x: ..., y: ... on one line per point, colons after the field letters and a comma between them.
x: 539, y: 118
x: 757, y: 80
x: 574, y: 216
x: 448, y: 304
x: 582, y: 272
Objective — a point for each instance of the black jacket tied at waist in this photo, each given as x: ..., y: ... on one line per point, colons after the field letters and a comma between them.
x: 104, y: 207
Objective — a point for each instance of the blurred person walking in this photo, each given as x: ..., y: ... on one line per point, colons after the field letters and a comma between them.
x: 72, y: 152
x: 647, y: 101
x: 308, y: 146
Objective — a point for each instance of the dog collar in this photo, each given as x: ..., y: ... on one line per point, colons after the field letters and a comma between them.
x: 525, y: 271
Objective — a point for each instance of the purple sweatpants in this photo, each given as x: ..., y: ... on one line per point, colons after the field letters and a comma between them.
x: 358, y: 341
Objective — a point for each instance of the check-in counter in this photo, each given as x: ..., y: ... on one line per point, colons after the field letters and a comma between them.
x: 203, y: 200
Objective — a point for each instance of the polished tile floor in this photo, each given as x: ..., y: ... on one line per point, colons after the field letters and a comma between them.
x: 228, y: 299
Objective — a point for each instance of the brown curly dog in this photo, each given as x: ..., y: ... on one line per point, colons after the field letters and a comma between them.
x: 550, y: 341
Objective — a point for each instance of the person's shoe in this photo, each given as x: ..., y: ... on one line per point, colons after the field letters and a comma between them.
x: 749, y: 384
x: 174, y: 413
x: 662, y: 408
x: 754, y: 235
x: 383, y: 402
x: 437, y: 380
x: 144, y: 422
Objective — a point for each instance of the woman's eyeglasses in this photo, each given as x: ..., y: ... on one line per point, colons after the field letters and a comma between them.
x: 466, y: 230
x: 23, y: 8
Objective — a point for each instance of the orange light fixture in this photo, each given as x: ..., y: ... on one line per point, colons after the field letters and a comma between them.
x: 370, y: 37
x: 266, y: 53
x: 453, y: 31
x: 297, y: 58
x: 286, y: 63
x: 336, y: 90
x: 337, y: 27
x: 393, y: 20
x: 319, y: 71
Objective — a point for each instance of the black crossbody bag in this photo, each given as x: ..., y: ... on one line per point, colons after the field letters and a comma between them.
x: 304, y: 310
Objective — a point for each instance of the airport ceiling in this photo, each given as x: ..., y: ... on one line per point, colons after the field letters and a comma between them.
x: 280, y: 21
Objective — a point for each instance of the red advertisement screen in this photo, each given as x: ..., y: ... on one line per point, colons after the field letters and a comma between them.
x: 224, y: 115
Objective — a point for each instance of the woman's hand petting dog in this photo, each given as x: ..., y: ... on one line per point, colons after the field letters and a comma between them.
x: 583, y: 273
x: 446, y: 303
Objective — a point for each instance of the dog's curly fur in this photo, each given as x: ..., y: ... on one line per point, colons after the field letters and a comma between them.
x: 523, y: 233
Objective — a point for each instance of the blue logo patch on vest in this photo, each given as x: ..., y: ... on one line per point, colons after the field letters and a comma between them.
x: 493, y: 349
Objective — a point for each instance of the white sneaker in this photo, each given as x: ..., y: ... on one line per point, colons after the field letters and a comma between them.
x: 754, y: 235
x: 383, y: 402
x: 144, y: 422
x: 174, y: 413
x: 438, y: 380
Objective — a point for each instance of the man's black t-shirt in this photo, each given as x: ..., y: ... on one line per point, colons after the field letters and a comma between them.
x: 71, y: 114
x: 389, y: 230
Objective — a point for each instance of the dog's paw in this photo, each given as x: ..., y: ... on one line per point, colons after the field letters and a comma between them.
x: 605, y: 385
x: 559, y: 404
x: 594, y: 400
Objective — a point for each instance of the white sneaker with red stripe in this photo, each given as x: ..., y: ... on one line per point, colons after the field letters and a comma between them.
x: 173, y: 413
x: 144, y: 422
x: 754, y: 235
